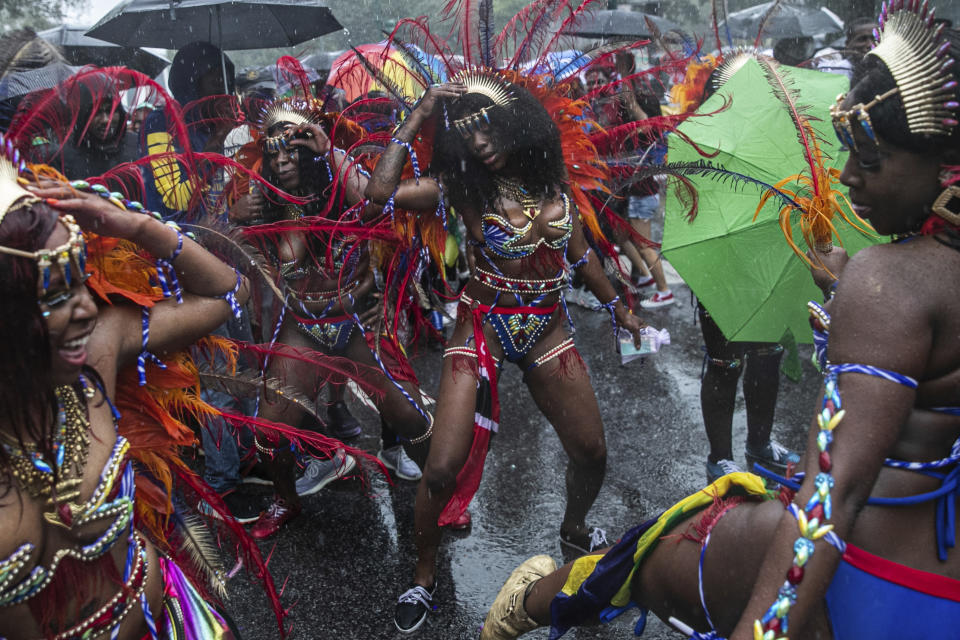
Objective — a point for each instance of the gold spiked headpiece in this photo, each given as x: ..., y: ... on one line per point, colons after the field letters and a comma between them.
x: 486, y: 84
x: 733, y: 61
x: 295, y: 112
x: 13, y: 197
x: 916, y: 55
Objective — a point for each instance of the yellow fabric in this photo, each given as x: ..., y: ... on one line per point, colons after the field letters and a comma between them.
x: 583, y: 567
x: 172, y: 187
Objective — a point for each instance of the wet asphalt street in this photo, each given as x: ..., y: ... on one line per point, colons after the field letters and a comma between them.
x: 350, y: 554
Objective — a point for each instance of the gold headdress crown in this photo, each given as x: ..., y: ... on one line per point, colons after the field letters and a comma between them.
x: 295, y: 112
x: 14, y: 197
x: 733, y: 61
x: 486, y: 84
x: 916, y: 55
x: 11, y: 191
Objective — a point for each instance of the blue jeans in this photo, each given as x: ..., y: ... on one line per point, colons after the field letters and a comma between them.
x: 223, y: 446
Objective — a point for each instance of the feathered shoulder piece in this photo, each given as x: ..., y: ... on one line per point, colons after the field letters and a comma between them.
x: 688, y: 94
x: 585, y: 169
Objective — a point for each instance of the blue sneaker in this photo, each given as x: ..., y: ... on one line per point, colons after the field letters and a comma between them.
x: 774, y: 457
x: 721, y: 468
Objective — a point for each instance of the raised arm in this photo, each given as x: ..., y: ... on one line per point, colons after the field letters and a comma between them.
x: 385, y: 181
x: 204, y: 278
x: 865, y: 329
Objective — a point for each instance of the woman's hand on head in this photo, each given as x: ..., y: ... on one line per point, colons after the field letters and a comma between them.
x: 438, y: 93
x: 309, y: 136
x: 92, y: 212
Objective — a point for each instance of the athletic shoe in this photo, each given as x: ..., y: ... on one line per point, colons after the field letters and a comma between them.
x: 721, y: 468
x: 256, y: 473
x: 319, y: 473
x: 340, y: 422
x: 243, y: 508
x: 774, y: 457
x: 277, y: 514
x: 580, y: 296
x: 658, y: 299
x: 412, y: 608
x: 397, y: 460
x: 585, y: 543
x: 645, y: 284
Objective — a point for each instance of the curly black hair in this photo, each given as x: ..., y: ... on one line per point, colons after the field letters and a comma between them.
x: 889, y: 118
x: 523, y: 129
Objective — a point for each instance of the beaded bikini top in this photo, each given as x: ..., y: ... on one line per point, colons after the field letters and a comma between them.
x: 111, y: 501
x: 507, y: 240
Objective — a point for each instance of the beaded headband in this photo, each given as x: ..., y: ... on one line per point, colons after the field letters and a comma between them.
x: 13, y: 197
x: 295, y: 112
x: 914, y: 52
x: 485, y: 84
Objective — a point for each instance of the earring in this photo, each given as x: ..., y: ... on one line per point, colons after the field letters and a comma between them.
x: 45, y: 314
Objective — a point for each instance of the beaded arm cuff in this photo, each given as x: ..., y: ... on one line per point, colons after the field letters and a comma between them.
x: 144, y: 354
x: 582, y: 262
x: 231, y: 297
x: 166, y: 274
x: 609, y: 306
x: 413, y: 157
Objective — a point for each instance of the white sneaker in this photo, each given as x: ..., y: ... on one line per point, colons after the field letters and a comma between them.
x: 319, y: 473
x: 658, y: 299
x: 397, y: 460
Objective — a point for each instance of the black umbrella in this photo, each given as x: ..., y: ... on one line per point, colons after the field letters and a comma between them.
x: 20, y: 83
x: 80, y: 49
x: 787, y: 21
x: 231, y: 24
x: 614, y: 23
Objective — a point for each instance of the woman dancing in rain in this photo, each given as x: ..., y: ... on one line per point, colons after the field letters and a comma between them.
x: 861, y: 547
x: 73, y: 562
x: 325, y: 272
x: 497, y: 157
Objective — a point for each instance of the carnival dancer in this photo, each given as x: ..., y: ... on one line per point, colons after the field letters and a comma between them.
x: 319, y: 249
x: 498, y: 159
x: 876, y: 507
x: 74, y: 565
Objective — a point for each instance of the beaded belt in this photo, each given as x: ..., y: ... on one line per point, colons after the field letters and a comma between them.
x: 519, y: 285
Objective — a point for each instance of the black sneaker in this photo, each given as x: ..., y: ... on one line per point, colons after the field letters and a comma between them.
x: 244, y: 508
x: 256, y: 473
x: 412, y: 608
x: 340, y: 422
x: 774, y: 457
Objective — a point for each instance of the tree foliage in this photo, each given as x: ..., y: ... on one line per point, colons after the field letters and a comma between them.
x: 36, y: 14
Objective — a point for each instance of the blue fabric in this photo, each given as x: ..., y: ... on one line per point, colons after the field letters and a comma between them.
x: 593, y: 597
x: 223, y: 447
x: 860, y: 605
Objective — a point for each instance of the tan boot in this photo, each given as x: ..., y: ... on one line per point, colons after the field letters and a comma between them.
x: 508, y: 618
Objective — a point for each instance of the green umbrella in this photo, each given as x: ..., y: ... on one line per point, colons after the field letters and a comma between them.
x: 742, y: 270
